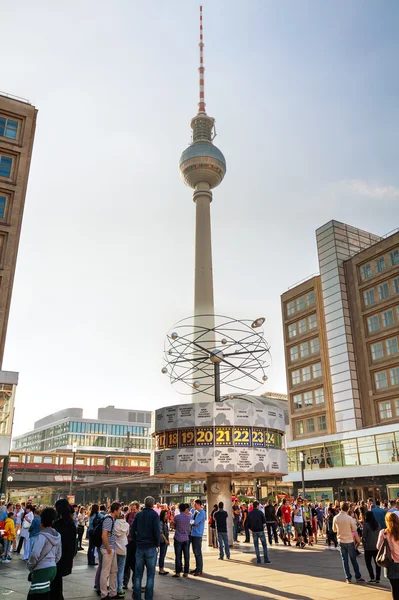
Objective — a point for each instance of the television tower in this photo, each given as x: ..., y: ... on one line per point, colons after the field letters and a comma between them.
x: 202, y: 167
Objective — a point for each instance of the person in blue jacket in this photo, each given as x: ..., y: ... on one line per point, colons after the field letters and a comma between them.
x: 197, y: 533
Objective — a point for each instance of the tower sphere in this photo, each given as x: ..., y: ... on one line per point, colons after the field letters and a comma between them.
x: 202, y: 162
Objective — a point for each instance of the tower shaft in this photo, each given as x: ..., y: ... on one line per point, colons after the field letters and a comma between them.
x: 203, y: 286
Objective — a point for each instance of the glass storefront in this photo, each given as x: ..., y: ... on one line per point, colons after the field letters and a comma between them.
x: 367, y: 450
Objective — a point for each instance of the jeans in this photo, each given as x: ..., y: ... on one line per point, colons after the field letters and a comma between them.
x: 120, y: 564
x: 130, y: 563
x: 197, y: 549
x: 272, y: 531
x: 81, y: 531
x: 163, y: 548
x: 260, y: 535
x: 223, y: 541
x: 369, y: 555
x: 348, y: 551
x: 214, y: 537
x: 395, y: 588
x: 108, y: 569
x: 7, y: 548
x: 182, y: 548
x: 90, y: 553
x: 235, y: 531
x: 145, y: 557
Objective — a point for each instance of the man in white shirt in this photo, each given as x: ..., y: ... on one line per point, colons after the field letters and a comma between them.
x: 298, y: 518
x: 345, y: 527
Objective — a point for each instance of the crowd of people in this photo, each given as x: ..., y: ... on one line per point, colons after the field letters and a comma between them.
x: 124, y: 540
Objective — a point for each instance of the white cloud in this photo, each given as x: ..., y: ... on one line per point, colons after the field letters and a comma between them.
x: 369, y: 189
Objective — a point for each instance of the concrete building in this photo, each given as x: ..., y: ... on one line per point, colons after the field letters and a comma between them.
x: 115, y: 430
x: 341, y: 333
x: 17, y: 132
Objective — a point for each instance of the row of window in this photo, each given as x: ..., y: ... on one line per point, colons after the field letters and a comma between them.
x: 381, y: 292
x: 305, y: 349
x: 309, y: 398
x: 302, y: 326
x: 385, y: 348
x: 380, y: 264
x: 367, y: 450
x: 388, y: 378
x: 79, y: 460
x: 103, y: 428
x: 388, y: 409
x: 8, y: 128
x: 303, y: 426
x: 306, y: 374
x: 300, y: 303
x: 383, y: 319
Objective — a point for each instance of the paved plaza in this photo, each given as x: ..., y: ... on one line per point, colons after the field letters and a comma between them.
x: 309, y: 574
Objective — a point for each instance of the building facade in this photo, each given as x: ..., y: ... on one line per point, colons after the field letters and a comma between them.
x: 341, y: 334
x: 17, y: 132
x: 115, y: 430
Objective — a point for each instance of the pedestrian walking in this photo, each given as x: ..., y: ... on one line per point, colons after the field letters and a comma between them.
x: 44, y: 556
x: 345, y: 529
x: 391, y: 535
x: 220, y: 518
x: 256, y: 523
x: 181, y: 541
x: 146, y: 530
x: 66, y: 528
x: 197, y: 532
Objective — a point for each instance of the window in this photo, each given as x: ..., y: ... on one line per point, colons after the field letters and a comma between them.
x: 391, y: 346
x: 304, y: 349
x: 381, y: 380
x: 394, y: 258
x: 296, y: 377
x: 321, y: 423
x: 316, y: 370
x: 143, y: 463
x: 290, y: 308
x: 302, y: 326
x: 3, y: 202
x: 314, y: 346
x: 297, y: 401
x: 5, y: 166
x: 373, y: 323
x: 47, y: 460
x: 135, y: 463
x: 310, y: 299
x: 383, y: 291
x: 300, y: 303
x: 294, y: 354
x: 379, y: 264
x: 308, y: 398
x: 319, y: 396
x: 310, y: 425
x: 394, y: 374
x: 312, y: 321
x: 377, y: 351
x: 387, y: 318
x: 368, y: 297
x: 306, y: 374
x: 292, y: 330
x: 365, y: 271
x: 395, y: 285
x: 299, y: 427
x: 8, y: 128
x: 385, y: 410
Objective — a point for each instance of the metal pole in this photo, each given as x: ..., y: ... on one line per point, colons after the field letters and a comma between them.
x: 302, y: 459
x: 73, y: 469
x: 4, y: 475
x: 217, y: 381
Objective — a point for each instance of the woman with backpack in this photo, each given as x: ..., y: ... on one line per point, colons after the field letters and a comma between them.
x: 94, y: 518
x: 66, y: 528
x: 45, y: 554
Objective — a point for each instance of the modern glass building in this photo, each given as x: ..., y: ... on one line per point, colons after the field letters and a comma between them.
x: 115, y: 430
x: 341, y: 332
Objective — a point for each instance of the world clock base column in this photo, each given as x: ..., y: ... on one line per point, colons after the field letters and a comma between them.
x: 218, y: 489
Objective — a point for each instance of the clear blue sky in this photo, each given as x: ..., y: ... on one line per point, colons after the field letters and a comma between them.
x: 305, y: 96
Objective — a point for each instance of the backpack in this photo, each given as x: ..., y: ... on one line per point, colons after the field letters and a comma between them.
x: 96, y: 537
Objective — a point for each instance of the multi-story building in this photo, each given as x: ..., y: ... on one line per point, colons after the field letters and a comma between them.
x: 17, y: 132
x: 115, y: 429
x: 341, y: 333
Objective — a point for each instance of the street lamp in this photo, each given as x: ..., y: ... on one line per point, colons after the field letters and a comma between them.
x: 302, y: 460
x: 74, y: 448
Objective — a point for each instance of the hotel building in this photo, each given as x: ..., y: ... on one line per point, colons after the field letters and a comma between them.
x: 341, y: 334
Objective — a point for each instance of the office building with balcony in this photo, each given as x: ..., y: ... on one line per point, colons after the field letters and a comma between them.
x: 114, y: 430
x: 341, y: 335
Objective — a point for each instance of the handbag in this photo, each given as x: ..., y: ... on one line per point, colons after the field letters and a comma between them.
x: 26, y: 524
x: 384, y: 558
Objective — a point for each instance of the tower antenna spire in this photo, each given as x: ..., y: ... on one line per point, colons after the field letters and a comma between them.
x: 201, y: 104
